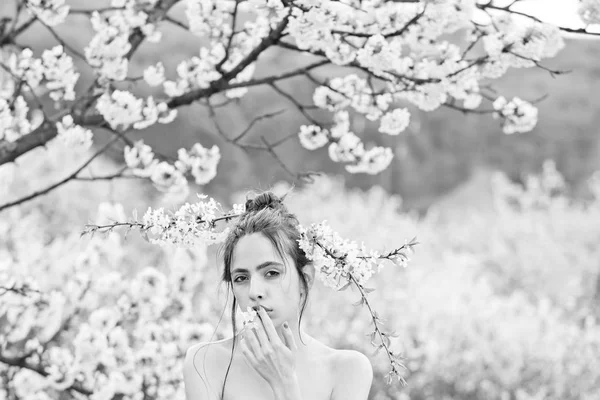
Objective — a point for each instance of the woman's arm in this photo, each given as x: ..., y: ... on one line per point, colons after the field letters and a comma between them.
x: 353, y: 376
x: 199, y: 373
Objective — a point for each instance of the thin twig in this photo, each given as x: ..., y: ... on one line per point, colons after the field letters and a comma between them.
x: 59, y: 183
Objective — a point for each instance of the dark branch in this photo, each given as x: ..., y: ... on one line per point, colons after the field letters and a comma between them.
x: 59, y: 183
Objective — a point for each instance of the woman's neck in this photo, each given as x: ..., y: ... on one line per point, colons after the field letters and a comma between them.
x: 304, y: 346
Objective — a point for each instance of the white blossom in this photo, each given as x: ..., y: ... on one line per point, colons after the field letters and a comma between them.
x: 201, y: 162
x: 373, y: 161
x: 60, y: 74
x: 395, y: 121
x: 167, y: 178
x: 313, y: 137
x: 154, y: 75
x: 14, y: 123
x: 120, y: 109
x: 348, y: 148
x: 518, y: 115
x: 73, y: 135
x: 140, y: 158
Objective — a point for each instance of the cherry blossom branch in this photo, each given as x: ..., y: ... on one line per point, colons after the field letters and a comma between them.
x: 234, y: 14
x: 46, y: 132
x: 301, y: 108
x: 256, y: 120
x: 383, y: 336
x: 177, y: 23
x: 137, y: 37
x: 91, y: 11
x: 302, y: 176
x: 269, y: 147
x: 398, y: 32
x: 118, y: 174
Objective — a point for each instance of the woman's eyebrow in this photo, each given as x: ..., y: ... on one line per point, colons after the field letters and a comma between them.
x: 259, y: 267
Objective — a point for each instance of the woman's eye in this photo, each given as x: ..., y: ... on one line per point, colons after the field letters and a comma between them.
x: 239, y: 279
x: 275, y: 273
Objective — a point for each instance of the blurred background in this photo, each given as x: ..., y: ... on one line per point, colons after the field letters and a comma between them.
x: 501, y: 299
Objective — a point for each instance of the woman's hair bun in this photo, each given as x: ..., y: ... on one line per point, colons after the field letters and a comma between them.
x: 265, y: 200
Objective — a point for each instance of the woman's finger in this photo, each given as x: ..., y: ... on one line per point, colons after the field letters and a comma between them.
x: 262, y: 337
x: 289, y: 337
x: 248, y: 353
x: 252, y: 342
x: 267, y: 323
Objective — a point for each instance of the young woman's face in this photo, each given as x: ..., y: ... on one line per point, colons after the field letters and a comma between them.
x: 260, y: 277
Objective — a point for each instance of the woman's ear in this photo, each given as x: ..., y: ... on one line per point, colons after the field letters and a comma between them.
x: 309, y: 274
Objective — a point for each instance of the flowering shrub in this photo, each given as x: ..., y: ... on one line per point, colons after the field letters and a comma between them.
x: 479, y: 313
x: 388, y: 58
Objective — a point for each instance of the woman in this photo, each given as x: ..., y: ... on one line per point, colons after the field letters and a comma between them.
x: 273, y: 357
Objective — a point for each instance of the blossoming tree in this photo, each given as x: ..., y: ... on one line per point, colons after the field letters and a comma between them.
x: 395, y: 54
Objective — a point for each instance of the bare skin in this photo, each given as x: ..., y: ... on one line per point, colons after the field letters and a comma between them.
x: 314, y: 371
x: 270, y: 361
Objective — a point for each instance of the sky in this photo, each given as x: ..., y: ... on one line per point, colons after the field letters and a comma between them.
x: 559, y: 12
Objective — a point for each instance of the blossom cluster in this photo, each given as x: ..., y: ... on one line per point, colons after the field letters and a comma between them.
x: 345, y: 146
x: 339, y: 262
x: 50, y: 12
x: 413, y: 60
x: 13, y: 119
x: 108, y: 49
x: 518, y: 115
x: 73, y: 135
x: 55, y: 68
x: 122, y: 109
x: 200, y: 162
x: 189, y: 226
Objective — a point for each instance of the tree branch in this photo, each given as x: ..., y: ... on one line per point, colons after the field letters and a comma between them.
x: 22, y: 363
x: 59, y: 183
x: 507, y: 9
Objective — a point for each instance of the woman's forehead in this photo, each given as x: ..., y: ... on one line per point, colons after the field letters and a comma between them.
x: 253, y: 249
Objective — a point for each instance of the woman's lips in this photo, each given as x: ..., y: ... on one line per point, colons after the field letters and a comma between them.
x: 266, y: 308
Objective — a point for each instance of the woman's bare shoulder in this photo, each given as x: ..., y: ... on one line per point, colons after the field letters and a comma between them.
x: 215, y: 346
x: 353, y: 374
x: 204, y: 368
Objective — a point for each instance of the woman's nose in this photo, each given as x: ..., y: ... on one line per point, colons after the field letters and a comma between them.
x: 257, y: 289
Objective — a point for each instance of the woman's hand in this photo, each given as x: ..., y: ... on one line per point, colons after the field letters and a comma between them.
x: 273, y: 359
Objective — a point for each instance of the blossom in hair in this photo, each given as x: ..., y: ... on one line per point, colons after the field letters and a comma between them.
x: 189, y: 226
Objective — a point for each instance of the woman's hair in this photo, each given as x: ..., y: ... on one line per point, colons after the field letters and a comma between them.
x: 265, y: 214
